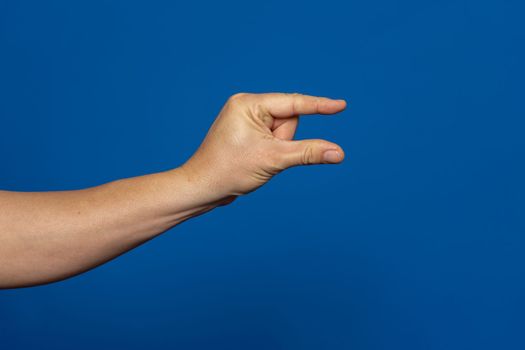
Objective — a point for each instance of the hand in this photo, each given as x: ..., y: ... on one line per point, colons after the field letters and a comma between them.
x: 74, y: 231
x: 252, y: 140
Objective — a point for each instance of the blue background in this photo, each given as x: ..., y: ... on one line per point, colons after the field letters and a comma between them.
x: 416, y: 242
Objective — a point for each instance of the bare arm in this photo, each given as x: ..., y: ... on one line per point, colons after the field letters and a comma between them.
x: 49, y: 236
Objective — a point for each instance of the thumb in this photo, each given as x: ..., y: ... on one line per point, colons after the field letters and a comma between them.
x: 307, y: 152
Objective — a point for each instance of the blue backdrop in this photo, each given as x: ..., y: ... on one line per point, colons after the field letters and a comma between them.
x: 415, y: 242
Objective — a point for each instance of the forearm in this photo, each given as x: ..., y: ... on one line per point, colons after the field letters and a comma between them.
x: 49, y: 236
x: 45, y: 237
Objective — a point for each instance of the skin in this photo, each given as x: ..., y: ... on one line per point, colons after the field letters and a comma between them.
x: 50, y: 236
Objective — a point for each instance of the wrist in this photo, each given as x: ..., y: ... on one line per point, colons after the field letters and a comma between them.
x: 194, y: 189
x: 206, y: 185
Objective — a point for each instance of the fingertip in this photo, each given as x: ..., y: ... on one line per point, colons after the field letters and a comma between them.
x: 332, y: 106
x: 343, y: 156
x: 333, y: 156
x: 342, y: 103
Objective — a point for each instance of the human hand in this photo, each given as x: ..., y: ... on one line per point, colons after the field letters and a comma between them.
x: 252, y: 140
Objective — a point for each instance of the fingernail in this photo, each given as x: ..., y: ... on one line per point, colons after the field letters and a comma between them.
x: 331, y: 156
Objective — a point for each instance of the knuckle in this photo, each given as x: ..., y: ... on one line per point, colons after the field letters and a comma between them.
x: 295, y: 102
x: 308, y: 156
x: 237, y: 98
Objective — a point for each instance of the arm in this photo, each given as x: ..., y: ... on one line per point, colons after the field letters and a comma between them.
x: 50, y: 236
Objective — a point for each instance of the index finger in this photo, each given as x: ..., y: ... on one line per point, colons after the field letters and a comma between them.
x: 281, y: 105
